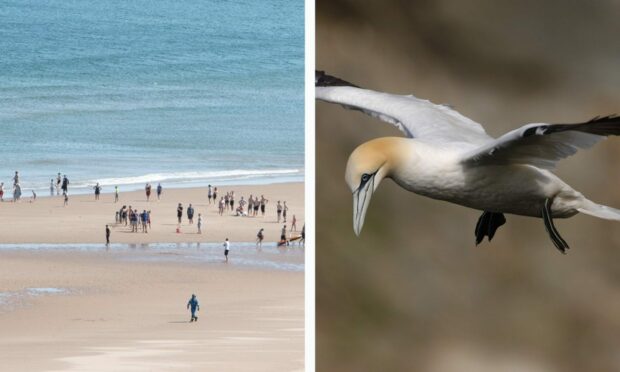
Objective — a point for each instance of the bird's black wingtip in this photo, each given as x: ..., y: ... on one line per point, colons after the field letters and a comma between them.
x: 321, y: 79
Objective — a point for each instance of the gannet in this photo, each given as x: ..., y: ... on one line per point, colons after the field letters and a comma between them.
x: 447, y: 156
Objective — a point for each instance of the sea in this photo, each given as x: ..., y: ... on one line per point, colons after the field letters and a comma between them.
x: 128, y: 92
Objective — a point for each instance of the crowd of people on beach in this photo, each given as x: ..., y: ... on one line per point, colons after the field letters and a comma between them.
x: 127, y: 216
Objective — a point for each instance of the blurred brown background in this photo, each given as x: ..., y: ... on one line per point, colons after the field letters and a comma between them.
x: 413, y: 292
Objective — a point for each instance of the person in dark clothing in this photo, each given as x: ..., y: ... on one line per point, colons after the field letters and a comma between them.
x: 180, y: 212
x: 190, y: 214
x: 194, y: 306
x: 107, y: 235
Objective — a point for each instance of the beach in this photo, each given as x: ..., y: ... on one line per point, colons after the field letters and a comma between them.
x: 69, y: 302
x: 46, y: 220
x: 124, y: 309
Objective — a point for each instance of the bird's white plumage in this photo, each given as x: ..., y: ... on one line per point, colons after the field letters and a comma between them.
x: 415, y: 117
x: 541, y: 150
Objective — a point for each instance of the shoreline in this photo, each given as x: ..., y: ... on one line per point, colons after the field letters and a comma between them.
x: 83, y: 221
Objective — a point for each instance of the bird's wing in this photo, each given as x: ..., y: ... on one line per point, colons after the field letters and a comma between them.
x: 543, y: 145
x: 414, y: 117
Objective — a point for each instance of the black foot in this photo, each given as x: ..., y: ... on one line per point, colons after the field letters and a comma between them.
x: 557, y: 240
x: 488, y: 224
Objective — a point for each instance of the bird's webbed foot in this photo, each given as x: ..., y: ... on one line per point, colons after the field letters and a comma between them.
x: 488, y: 224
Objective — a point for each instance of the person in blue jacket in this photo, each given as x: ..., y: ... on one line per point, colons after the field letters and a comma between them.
x: 193, y: 304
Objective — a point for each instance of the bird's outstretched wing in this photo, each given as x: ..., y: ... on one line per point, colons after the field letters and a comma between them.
x: 414, y: 117
x: 543, y: 145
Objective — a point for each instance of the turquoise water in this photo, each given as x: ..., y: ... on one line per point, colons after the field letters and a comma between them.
x: 125, y: 92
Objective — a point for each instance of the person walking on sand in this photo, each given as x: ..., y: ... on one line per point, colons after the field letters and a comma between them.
x: 194, y: 306
x: 190, y: 214
x: 97, y: 191
x: 159, y: 190
x: 284, y: 210
x: 116, y: 194
x: 227, y: 200
x: 231, y: 199
x: 210, y: 193
x: 226, y: 249
x: 66, y: 202
x: 221, y: 206
x: 214, y: 194
x: 145, y: 221
x: 259, y: 238
x: 52, y: 187
x: 180, y: 212
x: 294, y: 224
x: 107, y: 235
x: 199, y: 223
x: 279, y: 210
x: 1, y: 191
x: 58, y: 183
x: 148, y: 218
x: 147, y: 189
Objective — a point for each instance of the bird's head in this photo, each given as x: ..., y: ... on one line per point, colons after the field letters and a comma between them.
x: 368, y: 165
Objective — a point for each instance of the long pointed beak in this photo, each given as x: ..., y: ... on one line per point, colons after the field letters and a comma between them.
x: 361, y: 200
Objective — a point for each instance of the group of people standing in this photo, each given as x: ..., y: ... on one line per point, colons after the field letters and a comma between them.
x: 137, y: 220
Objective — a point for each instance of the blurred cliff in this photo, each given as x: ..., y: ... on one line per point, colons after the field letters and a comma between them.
x: 413, y: 292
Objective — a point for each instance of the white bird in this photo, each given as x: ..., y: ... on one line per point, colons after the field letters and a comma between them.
x: 447, y: 156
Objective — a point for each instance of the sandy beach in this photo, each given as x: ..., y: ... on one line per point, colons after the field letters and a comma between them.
x: 46, y: 220
x: 124, y: 310
x: 69, y: 303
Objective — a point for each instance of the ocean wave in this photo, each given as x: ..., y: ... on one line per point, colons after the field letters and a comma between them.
x: 181, y: 177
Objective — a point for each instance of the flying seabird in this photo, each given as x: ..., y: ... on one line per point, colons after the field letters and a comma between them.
x: 447, y: 156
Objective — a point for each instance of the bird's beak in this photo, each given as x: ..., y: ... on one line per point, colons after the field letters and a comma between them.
x: 361, y: 200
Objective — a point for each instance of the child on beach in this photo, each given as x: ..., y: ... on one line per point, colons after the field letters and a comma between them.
x: 221, y: 206
x: 226, y: 249
x: 66, y: 199
x: 115, y: 194
x: 159, y: 190
x: 194, y: 306
x: 199, y: 223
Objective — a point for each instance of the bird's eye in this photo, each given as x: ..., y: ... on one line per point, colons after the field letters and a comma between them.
x: 365, y: 177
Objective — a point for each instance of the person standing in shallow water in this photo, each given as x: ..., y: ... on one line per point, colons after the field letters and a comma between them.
x: 52, y: 187
x: 199, y: 223
x: 58, y: 183
x: 226, y: 249
x: 159, y: 190
x: 194, y: 306
x: 107, y: 235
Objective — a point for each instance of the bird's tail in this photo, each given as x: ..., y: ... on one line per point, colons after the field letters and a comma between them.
x: 598, y: 210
